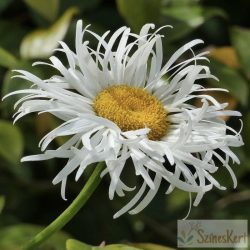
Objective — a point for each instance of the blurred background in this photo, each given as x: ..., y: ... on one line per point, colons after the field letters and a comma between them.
x: 29, y: 31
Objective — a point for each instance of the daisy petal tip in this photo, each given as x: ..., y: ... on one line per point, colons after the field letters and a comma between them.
x: 78, y: 175
x: 24, y: 159
x: 4, y: 97
x: 79, y: 23
x: 55, y: 181
x: 133, y: 212
x: 115, y: 216
x: 111, y: 195
x: 171, y: 162
x: 200, y: 41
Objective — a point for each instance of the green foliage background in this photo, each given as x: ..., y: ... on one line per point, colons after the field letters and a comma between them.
x: 29, y: 31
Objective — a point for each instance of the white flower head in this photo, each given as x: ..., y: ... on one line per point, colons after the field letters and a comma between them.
x: 119, y: 102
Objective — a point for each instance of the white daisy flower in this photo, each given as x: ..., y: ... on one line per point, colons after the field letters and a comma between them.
x: 120, y: 101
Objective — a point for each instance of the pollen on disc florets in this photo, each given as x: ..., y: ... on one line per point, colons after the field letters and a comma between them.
x: 132, y: 108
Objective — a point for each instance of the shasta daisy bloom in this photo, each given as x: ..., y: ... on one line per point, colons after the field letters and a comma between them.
x: 119, y: 101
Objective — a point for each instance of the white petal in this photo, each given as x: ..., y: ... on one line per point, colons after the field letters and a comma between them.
x: 148, y: 198
x: 131, y: 203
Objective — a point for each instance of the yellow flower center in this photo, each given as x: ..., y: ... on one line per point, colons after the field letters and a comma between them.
x: 132, y: 108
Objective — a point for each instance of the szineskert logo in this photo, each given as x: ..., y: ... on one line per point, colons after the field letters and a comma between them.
x: 212, y: 233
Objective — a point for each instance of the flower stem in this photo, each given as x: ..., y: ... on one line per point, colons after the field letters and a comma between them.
x: 69, y: 213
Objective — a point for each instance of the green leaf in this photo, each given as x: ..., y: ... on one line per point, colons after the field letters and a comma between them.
x: 77, y: 245
x: 46, y: 8
x: 185, y: 19
x: 11, y: 142
x: 230, y: 79
x: 192, y: 16
x: 2, y: 203
x: 137, y: 13
x: 212, y: 12
x: 241, y: 39
x: 83, y: 5
x: 119, y: 247
x: 6, y: 59
x: 150, y: 246
x: 181, y: 3
x: 11, y: 40
x: 41, y: 43
x: 12, y: 237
